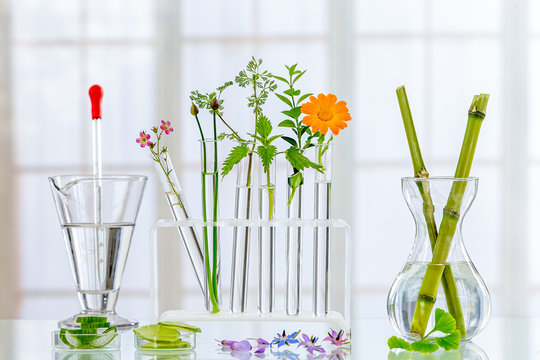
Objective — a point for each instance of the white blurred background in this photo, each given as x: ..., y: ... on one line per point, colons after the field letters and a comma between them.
x: 148, y: 56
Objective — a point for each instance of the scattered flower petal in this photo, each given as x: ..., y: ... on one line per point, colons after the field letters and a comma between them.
x: 243, y: 345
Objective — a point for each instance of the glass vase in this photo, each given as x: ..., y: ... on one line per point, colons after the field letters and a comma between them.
x: 242, y: 234
x: 438, y: 272
x: 210, y: 214
x: 294, y: 248
x: 178, y: 206
x: 267, y: 251
x: 98, y: 245
x: 321, y: 253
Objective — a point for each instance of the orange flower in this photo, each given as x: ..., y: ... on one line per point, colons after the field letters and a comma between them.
x: 322, y: 112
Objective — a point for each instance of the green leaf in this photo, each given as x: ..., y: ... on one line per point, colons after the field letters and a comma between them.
x: 397, y: 343
x: 444, y: 322
x: 291, y: 69
x: 424, y: 347
x: 295, y: 180
x: 299, y: 161
x: 449, y: 342
x: 263, y: 126
x: 287, y: 123
x: 235, y: 156
x: 294, y: 112
x: 290, y: 140
x: 267, y: 154
x: 298, y: 77
x: 292, y: 92
x: 272, y: 138
x: 280, y: 79
x: 450, y: 355
x: 400, y: 355
x: 284, y: 99
x: 303, y: 97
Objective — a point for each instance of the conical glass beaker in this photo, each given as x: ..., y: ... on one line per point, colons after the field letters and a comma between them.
x: 97, y: 216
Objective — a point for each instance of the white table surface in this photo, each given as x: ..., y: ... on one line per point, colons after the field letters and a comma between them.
x: 503, y: 338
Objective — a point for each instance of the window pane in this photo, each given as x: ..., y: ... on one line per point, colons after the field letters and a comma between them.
x: 40, y: 20
x: 463, y: 15
x: 534, y: 93
x: 376, y: 118
x: 389, y: 16
x: 125, y: 19
x: 462, y: 69
x: 216, y: 18
x: 284, y: 17
x: 46, y: 94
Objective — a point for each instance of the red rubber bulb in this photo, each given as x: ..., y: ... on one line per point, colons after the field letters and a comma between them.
x: 96, y: 95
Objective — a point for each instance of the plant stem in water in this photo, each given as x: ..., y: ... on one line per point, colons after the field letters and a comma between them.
x: 420, y: 171
x: 451, y: 216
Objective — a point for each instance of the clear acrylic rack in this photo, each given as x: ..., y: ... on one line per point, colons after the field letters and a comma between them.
x: 252, y: 321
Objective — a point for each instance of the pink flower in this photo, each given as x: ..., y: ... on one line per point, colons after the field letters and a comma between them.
x: 144, y: 139
x: 336, y: 338
x: 166, y: 126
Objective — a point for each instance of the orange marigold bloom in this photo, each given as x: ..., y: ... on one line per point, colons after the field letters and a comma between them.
x: 323, y: 112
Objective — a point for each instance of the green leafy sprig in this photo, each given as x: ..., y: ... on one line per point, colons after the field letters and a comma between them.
x: 260, y: 81
x: 204, y: 100
x: 293, y: 98
x: 444, y: 323
x: 262, y: 84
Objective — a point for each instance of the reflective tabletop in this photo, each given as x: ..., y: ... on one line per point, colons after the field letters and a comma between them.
x: 503, y: 338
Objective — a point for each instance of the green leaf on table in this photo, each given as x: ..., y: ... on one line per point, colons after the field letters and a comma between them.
x: 235, y: 156
x: 444, y: 322
x: 399, y: 355
x: 450, y: 355
x: 397, y: 343
x: 299, y: 161
x: 424, y: 347
x: 449, y: 342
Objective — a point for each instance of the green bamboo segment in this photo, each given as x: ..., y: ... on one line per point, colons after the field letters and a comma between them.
x: 420, y: 171
x: 432, y: 278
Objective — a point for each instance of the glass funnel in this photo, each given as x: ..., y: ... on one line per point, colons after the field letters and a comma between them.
x: 438, y: 206
x: 97, y: 216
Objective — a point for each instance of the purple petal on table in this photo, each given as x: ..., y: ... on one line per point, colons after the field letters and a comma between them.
x: 243, y: 345
x: 241, y: 355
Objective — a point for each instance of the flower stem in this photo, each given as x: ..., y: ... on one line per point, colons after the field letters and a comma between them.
x: 209, y: 277
x: 215, y: 215
x: 451, y: 216
x: 420, y: 171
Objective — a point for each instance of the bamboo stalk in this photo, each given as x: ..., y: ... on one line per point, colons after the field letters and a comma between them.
x: 432, y: 278
x: 420, y: 171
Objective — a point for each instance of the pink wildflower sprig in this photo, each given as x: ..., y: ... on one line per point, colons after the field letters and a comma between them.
x: 159, y: 153
x: 337, y: 338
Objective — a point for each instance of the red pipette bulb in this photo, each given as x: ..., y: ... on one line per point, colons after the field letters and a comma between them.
x: 96, y: 95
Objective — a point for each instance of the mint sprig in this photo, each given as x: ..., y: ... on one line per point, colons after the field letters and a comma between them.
x: 444, y: 323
